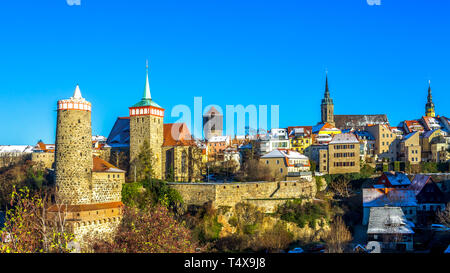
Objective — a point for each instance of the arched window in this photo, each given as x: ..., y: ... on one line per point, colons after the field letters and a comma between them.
x: 183, y: 162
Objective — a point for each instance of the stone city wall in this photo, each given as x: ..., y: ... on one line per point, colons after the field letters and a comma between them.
x: 45, y: 160
x: 107, y: 187
x: 267, y: 195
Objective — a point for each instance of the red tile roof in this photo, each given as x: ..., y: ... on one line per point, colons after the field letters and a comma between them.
x: 100, y: 165
x: 86, y: 207
x: 177, y: 134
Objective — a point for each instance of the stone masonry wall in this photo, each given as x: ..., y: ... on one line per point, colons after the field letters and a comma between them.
x: 267, y: 195
x: 73, y: 156
x: 148, y: 128
x: 107, y: 187
x: 45, y: 160
x: 103, y: 228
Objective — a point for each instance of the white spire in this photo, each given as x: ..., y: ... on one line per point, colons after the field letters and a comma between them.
x: 147, y: 94
x: 77, y: 93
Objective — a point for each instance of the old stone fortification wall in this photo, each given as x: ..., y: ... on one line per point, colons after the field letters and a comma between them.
x: 44, y: 160
x: 267, y: 195
x: 195, y: 193
x: 73, y: 157
x: 96, y: 229
x: 107, y: 187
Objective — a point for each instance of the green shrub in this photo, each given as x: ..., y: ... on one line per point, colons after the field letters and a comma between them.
x: 307, y: 214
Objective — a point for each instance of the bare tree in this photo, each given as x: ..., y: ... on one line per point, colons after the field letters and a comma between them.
x: 444, y: 216
x: 339, y: 236
x: 341, y: 187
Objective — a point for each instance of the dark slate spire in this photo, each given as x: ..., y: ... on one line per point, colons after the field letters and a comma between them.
x: 430, y: 98
x: 429, y: 107
x: 327, y: 98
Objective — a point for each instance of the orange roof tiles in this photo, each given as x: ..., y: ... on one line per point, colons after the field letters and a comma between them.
x: 177, y: 134
x: 86, y: 207
x: 100, y: 165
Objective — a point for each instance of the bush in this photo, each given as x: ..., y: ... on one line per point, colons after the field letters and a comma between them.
x: 152, y: 230
x: 278, y: 238
x: 307, y: 214
x: 428, y: 167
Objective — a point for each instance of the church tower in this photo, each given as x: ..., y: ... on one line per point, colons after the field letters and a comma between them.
x: 73, y: 155
x: 429, y: 107
x: 146, y: 123
x: 327, y: 106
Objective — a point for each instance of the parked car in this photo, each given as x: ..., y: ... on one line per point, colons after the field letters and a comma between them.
x: 317, y: 248
x: 438, y: 227
x: 296, y: 250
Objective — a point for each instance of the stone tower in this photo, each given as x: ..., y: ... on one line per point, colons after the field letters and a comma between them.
x: 73, y: 154
x: 146, y: 123
x: 327, y: 106
x: 429, y: 107
x: 212, y: 123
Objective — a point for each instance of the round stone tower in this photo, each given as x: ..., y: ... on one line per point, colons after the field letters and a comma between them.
x: 73, y: 155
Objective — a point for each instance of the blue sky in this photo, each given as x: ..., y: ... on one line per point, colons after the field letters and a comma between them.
x: 262, y: 52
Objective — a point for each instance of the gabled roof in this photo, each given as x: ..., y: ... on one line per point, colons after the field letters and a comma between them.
x: 358, y: 122
x: 388, y: 220
x: 431, y: 123
x: 278, y: 153
x: 212, y: 110
x: 41, y: 146
x: 396, y: 197
x: 317, y: 128
x: 100, y: 165
x: 412, y: 125
x: 324, y: 127
x: 397, y: 178
x: 344, y: 138
x: 177, y: 134
x: 409, y: 136
x: 419, y: 181
x: 219, y: 139
x: 293, y: 130
x: 120, y: 133
x: 427, y: 134
x: 363, y: 135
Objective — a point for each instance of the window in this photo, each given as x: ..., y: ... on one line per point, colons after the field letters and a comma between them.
x: 281, y: 170
x: 183, y: 162
x: 267, y: 161
x: 278, y: 161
